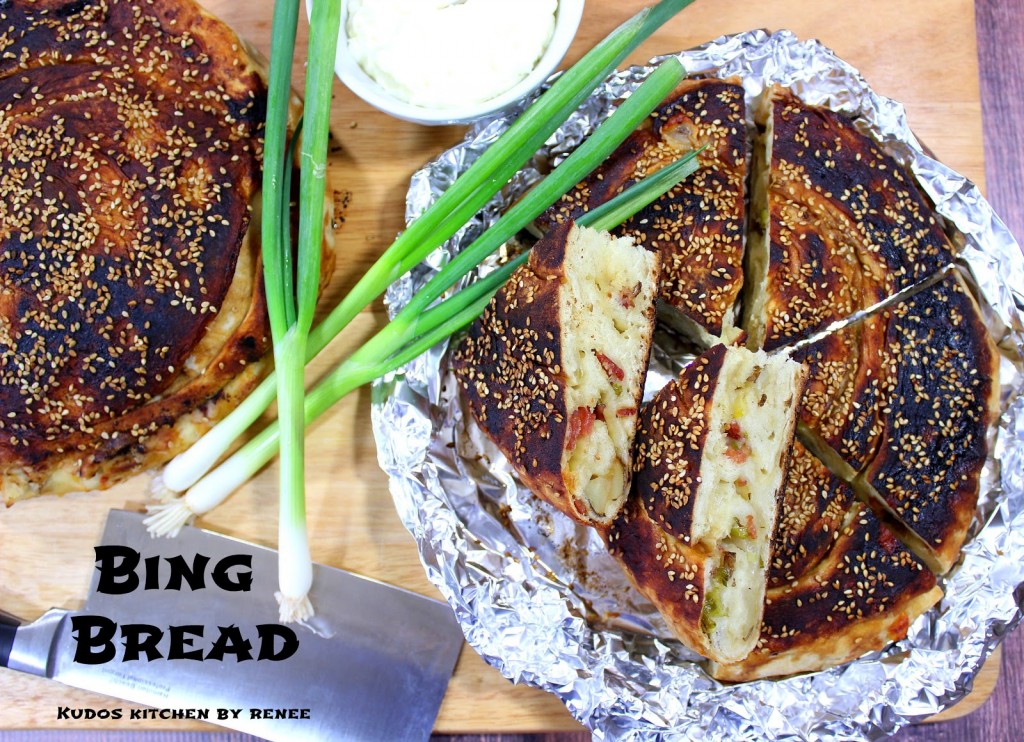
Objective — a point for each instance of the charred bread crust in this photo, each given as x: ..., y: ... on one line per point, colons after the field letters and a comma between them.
x: 651, y: 539
x: 941, y: 371
x: 847, y: 226
x: 850, y: 181
x: 846, y: 378
x: 863, y: 595
x: 665, y: 569
x: 671, y: 436
x: 699, y: 226
x: 811, y: 516
x: 511, y: 372
x: 132, y: 314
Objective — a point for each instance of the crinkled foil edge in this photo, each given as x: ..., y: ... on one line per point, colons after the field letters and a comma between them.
x: 536, y: 615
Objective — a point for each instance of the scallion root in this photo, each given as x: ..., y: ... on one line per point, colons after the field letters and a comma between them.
x: 293, y: 610
x: 159, y: 492
x: 169, y: 518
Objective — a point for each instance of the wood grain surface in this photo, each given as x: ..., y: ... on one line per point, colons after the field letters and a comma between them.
x: 921, y: 52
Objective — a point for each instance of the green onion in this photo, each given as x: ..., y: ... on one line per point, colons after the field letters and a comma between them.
x: 467, y: 195
x: 291, y: 303
x: 413, y: 331
x: 291, y: 307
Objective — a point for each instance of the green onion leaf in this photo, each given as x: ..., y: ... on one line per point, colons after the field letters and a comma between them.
x: 453, y: 209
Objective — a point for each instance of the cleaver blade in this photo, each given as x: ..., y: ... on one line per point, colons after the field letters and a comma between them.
x: 373, y: 664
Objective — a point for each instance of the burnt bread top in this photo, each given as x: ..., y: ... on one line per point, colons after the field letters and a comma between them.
x: 511, y: 369
x: 130, y: 146
x: 812, y: 513
x: 699, y: 226
x: 845, y: 370
x: 671, y: 438
x: 847, y: 180
x: 843, y: 226
x: 862, y: 595
x: 940, y: 371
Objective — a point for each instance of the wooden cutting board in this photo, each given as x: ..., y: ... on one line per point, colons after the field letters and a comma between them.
x: 920, y: 52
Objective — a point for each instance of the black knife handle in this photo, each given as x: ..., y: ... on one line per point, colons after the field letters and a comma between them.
x: 8, y: 628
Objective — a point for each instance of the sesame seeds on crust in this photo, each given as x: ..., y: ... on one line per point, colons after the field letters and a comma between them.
x: 859, y: 597
x: 811, y: 515
x: 940, y: 373
x: 847, y: 225
x: 698, y: 227
x: 129, y: 154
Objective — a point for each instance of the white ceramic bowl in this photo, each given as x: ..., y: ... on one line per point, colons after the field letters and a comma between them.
x: 567, y: 20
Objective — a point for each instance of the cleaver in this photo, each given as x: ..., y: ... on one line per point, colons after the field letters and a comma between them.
x: 373, y: 664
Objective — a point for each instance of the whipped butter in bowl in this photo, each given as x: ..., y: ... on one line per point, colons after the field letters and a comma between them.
x: 448, y: 61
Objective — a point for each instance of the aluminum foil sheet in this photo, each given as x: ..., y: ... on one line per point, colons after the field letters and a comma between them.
x: 538, y: 597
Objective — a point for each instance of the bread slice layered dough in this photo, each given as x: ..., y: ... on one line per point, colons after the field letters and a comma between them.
x: 699, y: 226
x: 553, y: 371
x: 710, y: 460
x: 812, y: 511
x: 839, y: 225
x: 132, y: 313
x: 912, y: 437
x: 861, y: 596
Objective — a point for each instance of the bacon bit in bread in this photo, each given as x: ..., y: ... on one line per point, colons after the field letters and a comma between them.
x: 611, y: 368
x: 580, y: 425
x: 737, y: 447
x: 899, y: 627
x: 751, y: 527
x: 626, y: 297
x: 626, y: 412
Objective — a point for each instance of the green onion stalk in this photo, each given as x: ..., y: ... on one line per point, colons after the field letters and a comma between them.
x: 460, y: 202
x: 418, y: 327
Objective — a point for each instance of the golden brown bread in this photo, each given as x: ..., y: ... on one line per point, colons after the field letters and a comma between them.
x: 698, y: 227
x: 710, y: 459
x: 553, y: 371
x: 841, y: 225
x: 131, y: 305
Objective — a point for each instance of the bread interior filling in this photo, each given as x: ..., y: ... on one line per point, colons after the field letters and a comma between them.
x: 741, y: 473
x: 604, y: 316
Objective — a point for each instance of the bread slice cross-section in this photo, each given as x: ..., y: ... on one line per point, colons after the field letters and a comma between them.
x: 710, y: 460
x: 699, y: 226
x: 554, y: 370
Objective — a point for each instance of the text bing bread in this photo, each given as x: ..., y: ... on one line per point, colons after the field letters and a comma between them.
x: 554, y: 370
x: 710, y: 461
